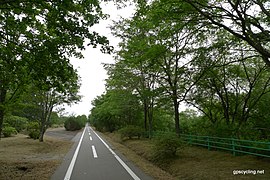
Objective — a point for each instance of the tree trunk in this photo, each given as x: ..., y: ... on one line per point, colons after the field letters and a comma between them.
x: 3, y: 94
x: 145, y: 111
x: 42, y: 132
x: 42, y: 128
x: 1, y: 120
x: 176, y: 114
x: 150, y: 119
x: 177, y: 120
x: 45, y: 121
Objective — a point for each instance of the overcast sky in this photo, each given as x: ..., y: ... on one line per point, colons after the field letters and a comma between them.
x: 90, y: 68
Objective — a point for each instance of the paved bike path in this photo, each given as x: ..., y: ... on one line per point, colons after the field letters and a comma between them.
x: 96, y: 160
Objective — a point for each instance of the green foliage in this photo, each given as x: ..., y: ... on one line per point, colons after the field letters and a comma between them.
x: 8, y: 131
x: 114, y: 110
x: 82, y: 119
x: 182, y: 54
x: 19, y: 123
x: 200, y: 125
x: 163, y: 120
x: 56, y: 120
x: 105, y: 122
x: 37, y: 40
x: 72, y: 123
x: 165, y: 147
x: 192, y: 123
x: 241, y: 29
x: 33, y: 130
x: 131, y: 131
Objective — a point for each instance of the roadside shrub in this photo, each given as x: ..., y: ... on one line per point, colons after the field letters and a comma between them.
x: 8, y: 131
x: 106, y: 123
x: 73, y: 124
x: 165, y: 147
x: 130, y: 132
x: 33, y: 130
x: 19, y: 123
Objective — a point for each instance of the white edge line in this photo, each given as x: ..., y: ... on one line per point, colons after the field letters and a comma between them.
x: 132, y: 174
x: 72, y: 163
x: 94, y: 151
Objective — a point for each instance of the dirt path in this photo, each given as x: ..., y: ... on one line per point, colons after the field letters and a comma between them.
x: 61, y: 133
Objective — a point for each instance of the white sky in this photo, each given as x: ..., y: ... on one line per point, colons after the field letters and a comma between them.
x: 90, y: 68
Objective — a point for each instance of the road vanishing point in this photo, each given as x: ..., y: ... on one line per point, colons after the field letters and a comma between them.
x: 91, y: 158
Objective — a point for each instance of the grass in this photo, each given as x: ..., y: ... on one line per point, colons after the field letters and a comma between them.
x: 146, y: 166
x: 24, y: 158
x: 194, y: 162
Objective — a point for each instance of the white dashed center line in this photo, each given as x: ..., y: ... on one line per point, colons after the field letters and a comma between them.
x: 90, y: 138
x: 94, y: 152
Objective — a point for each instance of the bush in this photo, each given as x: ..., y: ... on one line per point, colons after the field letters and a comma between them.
x: 131, y: 131
x: 34, y: 134
x: 33, y: 130
x: 8, y: 131
x: 19, y: 123
x: 165, y: 147
x: 73, y: 124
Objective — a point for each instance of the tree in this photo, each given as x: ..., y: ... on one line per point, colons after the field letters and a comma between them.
x: 133, y: 78
x: 133, y: 59
x: 247, y: 20
x: 54, y: 89
x: 73, y: 123
x: 32, y: 30
x: 259, y: 118
x: 160, y: 46
x: 208, y: 54
x: 231, y: 87
x: 115, y: 109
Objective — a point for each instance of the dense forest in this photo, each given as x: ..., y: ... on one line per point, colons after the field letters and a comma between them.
x: 212, y: 57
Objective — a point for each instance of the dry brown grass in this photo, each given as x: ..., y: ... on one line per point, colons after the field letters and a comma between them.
x: 197, y: 163
x: 24, y: 158
x: 149, y: 168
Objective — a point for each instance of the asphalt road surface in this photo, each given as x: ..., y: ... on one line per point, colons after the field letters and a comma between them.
x: 91, y: 158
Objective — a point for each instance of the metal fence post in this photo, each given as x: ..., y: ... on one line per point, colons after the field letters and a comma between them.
x: 208, y: 143
x: 233, y: 147
x: 236, y: 146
